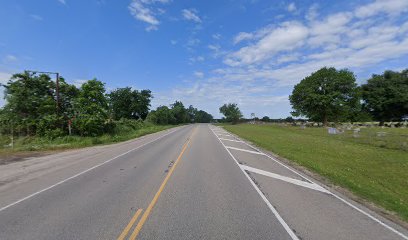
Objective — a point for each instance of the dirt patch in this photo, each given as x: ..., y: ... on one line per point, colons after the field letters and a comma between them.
x: 10, y: 157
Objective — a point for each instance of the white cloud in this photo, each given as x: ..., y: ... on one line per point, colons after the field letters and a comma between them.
x: 4, y: 78
x: 312, y: 13
x: 78, y: 82
x: 216, y: 50
x: 173, y: 42
x: 36, y: 17
x: 198, y: 74
x: 145, y: 11
x: 391, y: 7
x: 196, y: 59
x: 291, y: 7
x: 62, y: 2
x: 216, y: 36
x: 10, y: 59
x: 242, y: 36
x: 191, y: 15
x: 192, y: 43
x: 288, y: 36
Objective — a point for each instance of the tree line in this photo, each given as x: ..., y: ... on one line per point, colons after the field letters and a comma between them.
x: 89, y: 110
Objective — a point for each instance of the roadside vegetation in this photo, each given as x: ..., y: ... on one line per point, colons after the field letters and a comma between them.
x: 38, y: 117
x: 377, y: 174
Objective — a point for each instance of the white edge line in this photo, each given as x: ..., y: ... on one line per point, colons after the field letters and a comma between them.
x: 244, y: 150
x: 228, y: 135
x: 274, y: 211
x: 338, y: 197
x: 231, y: 140
x: 285, y: 179
x: 85, y: 171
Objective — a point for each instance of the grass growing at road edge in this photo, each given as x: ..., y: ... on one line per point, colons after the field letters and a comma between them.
x: 34, y: 143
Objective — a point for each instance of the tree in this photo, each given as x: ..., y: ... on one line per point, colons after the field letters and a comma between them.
x: 325, y: 95
x: 162, y: 115
x: 129, y: 104
x: 198, y: 116
x: 29, y: 98
x: 265, y: 119
x: 92, y: 109
x: 180, y: 113
x: 202, y: 117
x: 31, y: 104
x: 192, y: 112
x: 231, y: 112
x: 386, y: 96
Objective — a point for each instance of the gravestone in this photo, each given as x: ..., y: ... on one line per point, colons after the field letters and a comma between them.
x: 381, y: 134
x: 356, y: 132
x: 332, y: 130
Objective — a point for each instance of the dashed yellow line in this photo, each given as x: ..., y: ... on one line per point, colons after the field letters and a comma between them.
x: 156, y: 197
x: 154, y: 200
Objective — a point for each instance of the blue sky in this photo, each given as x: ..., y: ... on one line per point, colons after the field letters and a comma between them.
x: 204, y: 53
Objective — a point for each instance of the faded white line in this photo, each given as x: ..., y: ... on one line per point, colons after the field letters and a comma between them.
x: 274, y: 211
x: 336, y: 196
x: 244, y: 150
x: 83, y: 172
x: 231, y: 140
x: 228, y: 135
x: 286, y: 179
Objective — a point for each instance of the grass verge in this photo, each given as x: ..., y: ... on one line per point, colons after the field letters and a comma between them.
x: 37, y: 144
x: 377, y: 174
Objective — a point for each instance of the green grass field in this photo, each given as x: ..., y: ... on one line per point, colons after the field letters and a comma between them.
x: 373, y: 171
x: 24, y: 144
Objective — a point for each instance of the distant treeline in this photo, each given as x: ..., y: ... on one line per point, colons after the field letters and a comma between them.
x: 33, y: 107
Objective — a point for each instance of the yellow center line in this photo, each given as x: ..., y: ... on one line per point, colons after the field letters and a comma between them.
x: 129, y: 226
x: 156, y: 197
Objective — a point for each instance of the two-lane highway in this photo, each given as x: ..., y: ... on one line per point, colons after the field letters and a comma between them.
x: 191, y: 182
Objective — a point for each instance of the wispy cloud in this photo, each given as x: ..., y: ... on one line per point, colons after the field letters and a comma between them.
x: 4, y: 78
x: 62, y: 2
x: 10, y: 59
x: 191, y: 15
x: 216, y: 36
x: 196, y: 59
x: 198, y: 74
x: 390, y: 7
x: 291, y: 7
x: 147, y: 11
x: 36, y: 17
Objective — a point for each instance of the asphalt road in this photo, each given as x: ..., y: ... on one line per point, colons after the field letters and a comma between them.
x: 191, y: 182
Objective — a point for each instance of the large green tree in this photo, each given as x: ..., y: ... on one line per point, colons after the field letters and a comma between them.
x: 130, y: 104
x: 162, y: 115
x: 231, y: 112
x: 180, y: 113
x: 91, y: 108
x: 386, y: 96
x: 202, y: 117
x: 326, y: 95
x: 31, y: 105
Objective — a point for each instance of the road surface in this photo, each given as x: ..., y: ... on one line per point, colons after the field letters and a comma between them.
x: 191, y: 182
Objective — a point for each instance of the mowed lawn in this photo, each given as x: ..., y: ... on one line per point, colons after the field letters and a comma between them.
x: 377, y: 174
